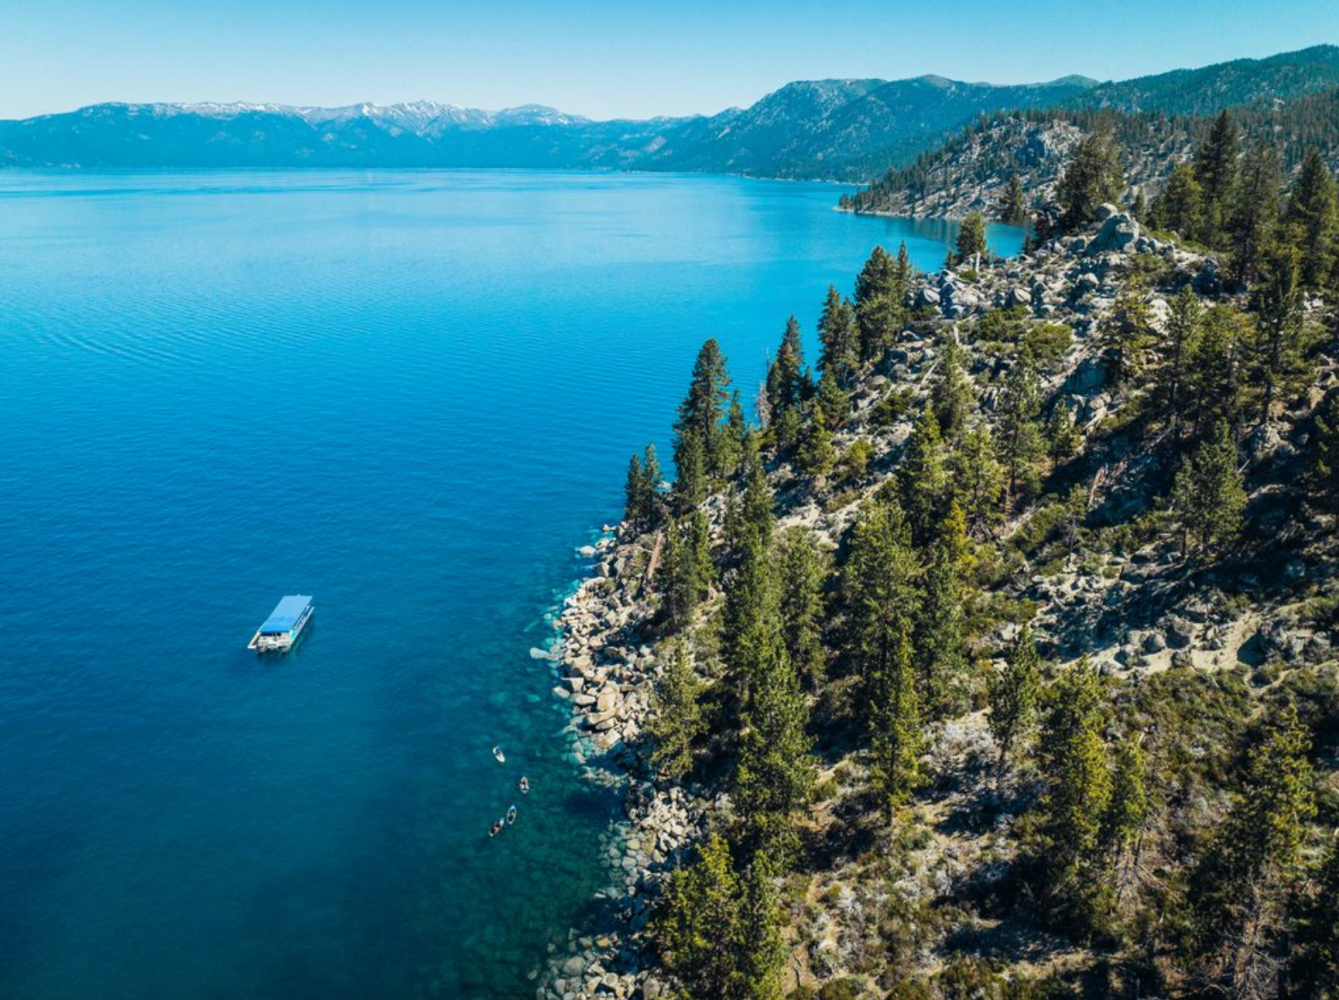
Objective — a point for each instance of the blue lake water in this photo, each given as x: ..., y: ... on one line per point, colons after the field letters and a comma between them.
x: 411, y: 394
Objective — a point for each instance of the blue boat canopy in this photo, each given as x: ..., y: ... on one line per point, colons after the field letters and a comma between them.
x: 286, y: 614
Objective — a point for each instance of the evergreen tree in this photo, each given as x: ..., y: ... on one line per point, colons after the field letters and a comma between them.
x: 951, y: 393
x: 1181, y: 207
x: 896, y: 738
x: 734, y: 438
x: 978, y: 480
x: 1239, y: 887
x: 816, y: 455
x: 633, y: 501
x: 1020, y: 438
x: 699, y: 911
x: 1013, y: 205
x: 1179, y: 345
x: 837, y: 333
x: 879, y: 586
x: 758, y: 952
x: 1124, y: 333
x: 834, y: 403
x: 1214, y: 379
x: 676, y: 723
x: 1129, y: 801
x: 1216, y: 172
x: 691, y: 486
x: 785, y: 387
x: 1255, y: 211
x: 685, y: 569
x: 1091, y: 178
x: 938, y: 636
x: 879, y: 310
x: 1078, y: 796
x: 1209, y: 496
x: 1062, y: 434
x: 971, y: 242
x: 1013, y: 695
x: 1280, y: 349
x: 704, y: 406
x: 922, y: 480
x: 775, y: 774
x: 802, y: 607
x: 1312, y: 219
x: 751, y: 597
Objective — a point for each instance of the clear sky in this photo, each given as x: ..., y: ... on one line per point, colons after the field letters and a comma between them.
x: 602, y: 58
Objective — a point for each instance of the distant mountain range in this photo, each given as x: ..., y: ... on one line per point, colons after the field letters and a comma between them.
x: 849, y: 130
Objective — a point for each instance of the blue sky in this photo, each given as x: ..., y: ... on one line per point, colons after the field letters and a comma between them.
x: 602, y: 58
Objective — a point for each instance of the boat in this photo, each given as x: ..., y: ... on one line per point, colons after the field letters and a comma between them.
x: 511, y: 815
x: 524, y: 785
x: 284, y: 627
x: 501, y: 757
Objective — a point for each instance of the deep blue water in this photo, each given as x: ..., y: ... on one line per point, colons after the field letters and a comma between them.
x: 411, y: 394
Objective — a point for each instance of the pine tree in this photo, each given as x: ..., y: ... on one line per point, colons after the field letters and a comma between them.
x: 837, y: 333
x: 1013, y: 205
x: 1020, y: 438
x: 802, y: 606
x: 685, y: 566
x: 1062, y: 434
x: 1214, y: 378
x: 1181, y: 207
x: 1280, y: 355
x: 1013, y: 695
x: 734, y: 438
x: 878, y: 308
x: 1209, y: 496
x: 970, y: 245
x: 879, y: 586
x: 978, y: 480
x: 676, y: 723
x: 1239, y: 887
x: 1125, y: 814
x: 1312, y: 219
x: 775, y: 775
x: 922, y: 480
x: 816, y: 455
x: 1078, y: 796
x: 1179, y: 345
x: 834, y: 403
x: 751, y: 597
x: 1255, y: 211
x: 633, y: 502
x: 785, y: 386
x: 938, y: 636
x: 1091, y: 178
x: 1216, y: 172
x: 896, y: 739
x: 691, y: 485
x: 1124, y: 333
x: 704, y: 406
x: 952, y: 394
x: 758, y: 952
x: 651, y: 479
x: 699, y: 911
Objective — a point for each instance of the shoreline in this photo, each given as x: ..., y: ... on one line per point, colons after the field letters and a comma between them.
x: 604, y: 673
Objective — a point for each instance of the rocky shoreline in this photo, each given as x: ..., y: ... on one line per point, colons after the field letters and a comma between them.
x: 605, y: 672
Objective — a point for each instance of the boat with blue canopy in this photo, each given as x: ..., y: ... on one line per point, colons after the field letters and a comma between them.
x: 285, y: 624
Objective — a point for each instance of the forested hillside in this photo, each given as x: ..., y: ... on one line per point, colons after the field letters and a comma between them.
x: 998, y: 657
x: 974, y: 170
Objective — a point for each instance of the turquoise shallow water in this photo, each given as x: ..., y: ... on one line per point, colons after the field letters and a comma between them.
x: 411, y: 394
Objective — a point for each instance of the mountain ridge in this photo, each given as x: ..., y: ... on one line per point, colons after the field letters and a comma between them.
x: 843, y: 129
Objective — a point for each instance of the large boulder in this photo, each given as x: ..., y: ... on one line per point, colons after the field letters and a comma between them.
x: 1117, y: 233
